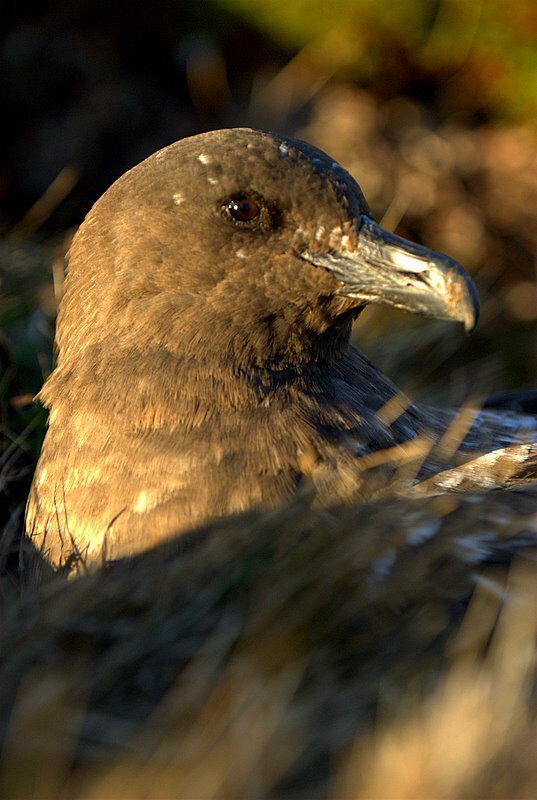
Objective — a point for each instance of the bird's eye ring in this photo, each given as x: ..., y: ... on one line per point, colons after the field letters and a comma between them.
x: 243, y: 209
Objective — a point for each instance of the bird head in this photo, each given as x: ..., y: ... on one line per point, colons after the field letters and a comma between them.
x: 246, y: 247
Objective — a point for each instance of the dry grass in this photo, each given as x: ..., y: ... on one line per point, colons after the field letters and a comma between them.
x: 297, y: 653
x: 474, y: 736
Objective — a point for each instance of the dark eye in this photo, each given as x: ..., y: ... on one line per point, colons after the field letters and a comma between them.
x: 243, y: 209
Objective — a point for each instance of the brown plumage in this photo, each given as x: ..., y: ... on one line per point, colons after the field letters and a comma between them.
x: 204, y: 365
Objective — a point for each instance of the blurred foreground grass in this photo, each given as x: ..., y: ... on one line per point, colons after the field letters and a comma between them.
x: 295, y: 653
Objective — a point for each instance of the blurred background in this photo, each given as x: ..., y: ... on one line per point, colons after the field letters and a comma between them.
x: 430, y: 104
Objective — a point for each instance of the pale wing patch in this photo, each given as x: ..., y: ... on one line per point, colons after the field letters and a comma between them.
x: 421, y: 533
x: 475, y: 549
x: 382, y: 566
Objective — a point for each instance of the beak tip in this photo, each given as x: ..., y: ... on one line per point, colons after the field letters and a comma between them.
x: 470, y: 317
x: 469, y: 324
x: 471, y: 312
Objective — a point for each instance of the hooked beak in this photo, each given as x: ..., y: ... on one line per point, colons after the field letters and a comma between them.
x: 385, y: 268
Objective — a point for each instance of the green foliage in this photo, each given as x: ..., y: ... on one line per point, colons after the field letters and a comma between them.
x: 484, y: 49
